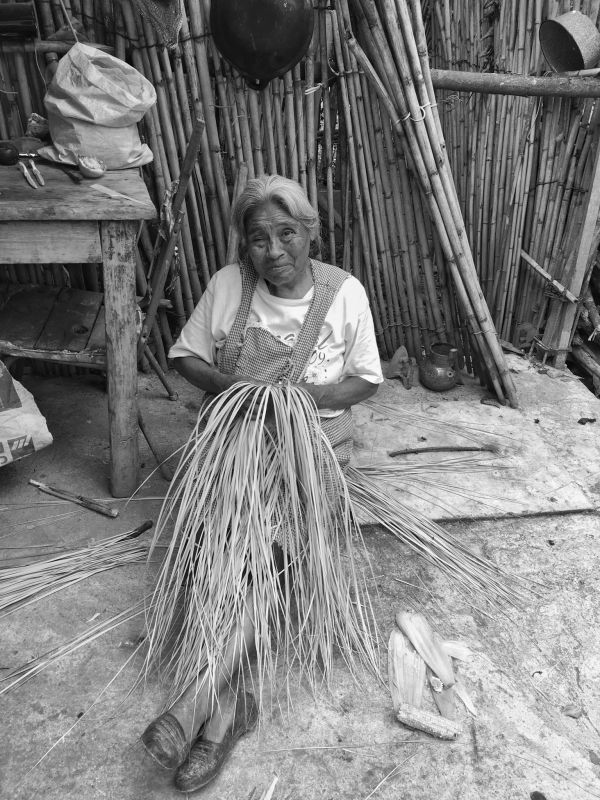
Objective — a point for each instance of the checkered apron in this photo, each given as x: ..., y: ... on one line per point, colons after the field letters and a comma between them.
x: 257, y: 353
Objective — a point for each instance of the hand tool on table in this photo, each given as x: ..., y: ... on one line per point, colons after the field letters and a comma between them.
x: 10, y: 155
x: 31, y: 179
x: 85, y: 502
x: 36, y: 173
x: 71, y: 172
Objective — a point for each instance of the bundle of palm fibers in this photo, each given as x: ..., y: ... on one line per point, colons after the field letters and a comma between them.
x: 26, y: 583
x: 419, y: 481
x: 25, y: 672
x: 475, y: 575
x: 258, y: 468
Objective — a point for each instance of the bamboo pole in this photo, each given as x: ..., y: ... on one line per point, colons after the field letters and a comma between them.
x: 381, y: 194
x: 478, y: 315
x: 278, y: 102
x: 355, y: 182
x: 214, y: 219
x: 311, y: 132
x: 167, y: 117
x: 151, y: 121
x: 198, y: 28
x: 364, y: 203
x: 300, y: 126
x: 327, y: 140
x: 515, y: 85
x: 290, y: 127
x: 255, y: 128
x: 396, y: 210
x: 203, y: 230
x: 244, y: 125
x: 267, y: 107
x: 233, y: 241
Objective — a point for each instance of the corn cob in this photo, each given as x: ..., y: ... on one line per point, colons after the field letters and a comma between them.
x: 428, y: 645
x: 420, y: 720
x: 406, y: 671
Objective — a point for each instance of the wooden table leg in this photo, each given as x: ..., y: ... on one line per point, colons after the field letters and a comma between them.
x: 118, y: 252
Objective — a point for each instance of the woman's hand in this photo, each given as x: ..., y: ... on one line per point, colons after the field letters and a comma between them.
x: 340, y: 395
x: 207, y: 377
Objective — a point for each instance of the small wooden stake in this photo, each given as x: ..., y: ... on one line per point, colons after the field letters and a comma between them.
x: 80, y: 500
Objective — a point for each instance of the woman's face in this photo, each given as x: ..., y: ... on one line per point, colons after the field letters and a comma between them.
x: 278, y: 245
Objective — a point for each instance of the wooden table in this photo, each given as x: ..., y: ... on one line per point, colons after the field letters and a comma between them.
x: 64, y: 222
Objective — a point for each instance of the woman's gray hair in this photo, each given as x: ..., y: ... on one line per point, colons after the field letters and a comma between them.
x: 285, y: 193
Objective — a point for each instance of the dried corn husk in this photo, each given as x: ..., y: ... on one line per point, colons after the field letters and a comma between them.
x: 428, y: 644
x: 463, y: 695
x: 457, y: 650
x: 406, y: 671
x: 442, y: 695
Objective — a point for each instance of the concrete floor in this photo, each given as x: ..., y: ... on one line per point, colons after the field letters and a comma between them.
x: 73, y: 731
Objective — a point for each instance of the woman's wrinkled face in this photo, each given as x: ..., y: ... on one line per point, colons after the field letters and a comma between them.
x: 278, y: 246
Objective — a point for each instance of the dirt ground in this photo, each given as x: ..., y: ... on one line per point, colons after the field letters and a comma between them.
x: 73, y: 730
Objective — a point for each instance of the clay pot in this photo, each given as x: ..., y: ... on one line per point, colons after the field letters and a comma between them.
x: 438, y: 371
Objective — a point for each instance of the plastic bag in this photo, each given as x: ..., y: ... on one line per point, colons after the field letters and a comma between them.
x: 23, y: 430
x: 8, y: 394
x: 94, y: 104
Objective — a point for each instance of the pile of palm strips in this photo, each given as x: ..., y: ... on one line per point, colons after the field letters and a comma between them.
x: 258, y: 468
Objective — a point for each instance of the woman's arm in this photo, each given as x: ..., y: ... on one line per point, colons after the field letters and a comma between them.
x: 341, y: 395
x: 201, y: 374
x: 344, y: 394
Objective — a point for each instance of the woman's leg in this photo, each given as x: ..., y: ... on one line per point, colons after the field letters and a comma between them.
x: 167, y: 738
x: 195, y: 706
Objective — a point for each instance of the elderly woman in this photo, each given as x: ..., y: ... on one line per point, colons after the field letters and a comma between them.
x: 276, y: 315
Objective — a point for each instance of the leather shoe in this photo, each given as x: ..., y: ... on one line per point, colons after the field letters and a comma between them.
x: 165, y: 741
x: 206, y: 758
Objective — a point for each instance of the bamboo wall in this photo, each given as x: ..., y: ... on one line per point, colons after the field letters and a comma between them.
x: 521, y: 166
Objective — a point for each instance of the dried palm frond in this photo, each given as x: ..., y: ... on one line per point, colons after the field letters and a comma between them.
x: 24, y: 672
x: 418, y: 480
x: 258, y: 467
x: 23, y: 584
x: 399, y: 417
x: 473, y: 573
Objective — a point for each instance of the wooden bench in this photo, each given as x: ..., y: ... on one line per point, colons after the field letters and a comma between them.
x: 52, y: 323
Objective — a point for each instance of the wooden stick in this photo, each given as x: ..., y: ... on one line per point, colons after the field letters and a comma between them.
x: 164, y: 470
x: 562, y: 290
x: 47, y: 46
x: 516, y: 85
x: 80, y: 500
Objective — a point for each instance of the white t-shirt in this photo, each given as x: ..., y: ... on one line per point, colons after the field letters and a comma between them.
x: 346, y: 345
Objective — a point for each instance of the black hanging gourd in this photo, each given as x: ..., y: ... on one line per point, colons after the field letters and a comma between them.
x: 262, y: 38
